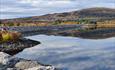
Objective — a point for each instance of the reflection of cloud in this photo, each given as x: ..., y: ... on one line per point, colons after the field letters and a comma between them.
x: 39, y: 7
x: 64, y: 52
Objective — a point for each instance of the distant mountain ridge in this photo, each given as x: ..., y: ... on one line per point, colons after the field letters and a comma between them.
x: 74, y: 15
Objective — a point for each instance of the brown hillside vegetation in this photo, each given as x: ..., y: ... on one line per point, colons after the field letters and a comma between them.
x: 90, y: 13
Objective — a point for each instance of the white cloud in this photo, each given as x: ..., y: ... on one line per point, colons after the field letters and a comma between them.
x: 47, y: 3
x: 32, y: 2
x: 39, y: 7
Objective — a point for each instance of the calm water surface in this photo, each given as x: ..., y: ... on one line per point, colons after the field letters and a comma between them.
x: 70, y: 53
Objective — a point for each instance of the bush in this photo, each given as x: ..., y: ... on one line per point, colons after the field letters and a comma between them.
x: 6, y: 36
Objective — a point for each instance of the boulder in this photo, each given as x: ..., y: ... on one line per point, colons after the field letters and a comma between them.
x: 24, y: 64
x: 4, y: 58
x: 32, y: 65
x: 8, y: 62
x: 42, y: 68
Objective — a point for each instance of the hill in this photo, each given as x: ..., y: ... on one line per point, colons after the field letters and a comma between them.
x: 89, y: 13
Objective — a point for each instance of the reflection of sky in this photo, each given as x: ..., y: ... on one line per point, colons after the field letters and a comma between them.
x: 72, y: 53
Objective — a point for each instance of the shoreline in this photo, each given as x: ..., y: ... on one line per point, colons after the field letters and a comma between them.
x: 8, y: 62
x: 89, y: 34
x: 13, y: 48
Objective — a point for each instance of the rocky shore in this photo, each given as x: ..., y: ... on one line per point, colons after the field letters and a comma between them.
x: 17, y: 46
x: 8, y: 62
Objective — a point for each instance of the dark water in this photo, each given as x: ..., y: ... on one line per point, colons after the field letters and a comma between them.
x: 70, y: 53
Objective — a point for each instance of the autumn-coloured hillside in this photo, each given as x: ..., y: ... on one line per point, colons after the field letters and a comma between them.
x: 89, y: 13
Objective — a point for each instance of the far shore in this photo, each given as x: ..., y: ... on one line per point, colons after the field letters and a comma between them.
x: 89, y: 34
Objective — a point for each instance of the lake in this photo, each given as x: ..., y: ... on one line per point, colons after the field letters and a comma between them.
x: 72, y: 53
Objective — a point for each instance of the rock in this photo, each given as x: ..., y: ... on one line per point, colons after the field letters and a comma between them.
x: 13, y: 61
x: 13, y: 69
x: 24, y: 64
x: 42, y: 68
x: 13, y: 48
x: 32, y: 65
x: 8, y: 62
x: 2, y: 67
x: 4, y: 58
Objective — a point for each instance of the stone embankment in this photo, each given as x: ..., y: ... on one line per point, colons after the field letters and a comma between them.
x: 8, y: 62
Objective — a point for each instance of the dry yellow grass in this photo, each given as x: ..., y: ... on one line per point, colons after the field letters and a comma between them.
x: 9, y: 36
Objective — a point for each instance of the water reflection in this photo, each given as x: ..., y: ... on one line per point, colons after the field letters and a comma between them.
x: 70, y: 53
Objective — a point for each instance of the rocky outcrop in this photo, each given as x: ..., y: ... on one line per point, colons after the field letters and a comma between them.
x: 15, y: 47
x: 8, y: 62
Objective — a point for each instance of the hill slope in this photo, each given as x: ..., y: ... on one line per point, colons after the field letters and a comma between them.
x: 94, y: 13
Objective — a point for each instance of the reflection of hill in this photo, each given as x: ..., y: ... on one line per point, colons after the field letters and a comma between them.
x: 90, y: 34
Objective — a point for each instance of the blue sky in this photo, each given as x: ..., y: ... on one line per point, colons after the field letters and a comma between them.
x: 25, y: 8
